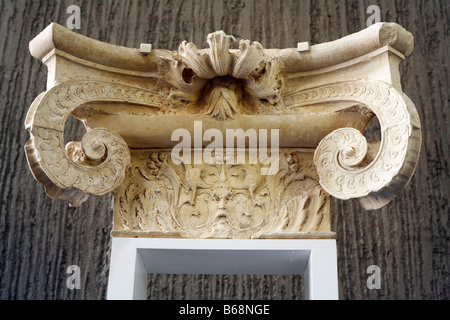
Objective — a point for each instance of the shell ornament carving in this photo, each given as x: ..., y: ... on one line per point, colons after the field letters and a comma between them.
x: 339, y: 155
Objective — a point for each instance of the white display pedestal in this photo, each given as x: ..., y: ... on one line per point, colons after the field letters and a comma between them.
x: 132, y: 259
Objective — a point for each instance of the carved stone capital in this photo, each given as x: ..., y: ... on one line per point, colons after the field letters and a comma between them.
x: 318, y: 101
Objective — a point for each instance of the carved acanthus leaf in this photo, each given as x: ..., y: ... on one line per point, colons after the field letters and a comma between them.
x: 259, y: 75
x: 221, y: 200
x: 221, y: 103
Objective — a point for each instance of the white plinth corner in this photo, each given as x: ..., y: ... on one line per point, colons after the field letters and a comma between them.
x: 132, y: 259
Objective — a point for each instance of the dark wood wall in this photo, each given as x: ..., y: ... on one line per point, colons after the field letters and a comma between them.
x: 40, y: 238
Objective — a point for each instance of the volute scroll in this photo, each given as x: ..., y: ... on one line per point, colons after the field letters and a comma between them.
x: 97, y: 164
x: 339, y: 155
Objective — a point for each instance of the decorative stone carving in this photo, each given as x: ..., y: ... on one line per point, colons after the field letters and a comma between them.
x: 160, y: 198
x: 234, y: 74
x: 94, y: 166
x: 320, y: 101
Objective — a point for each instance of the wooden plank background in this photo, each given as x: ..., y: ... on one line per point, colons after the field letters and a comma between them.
x: 408, y: 239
